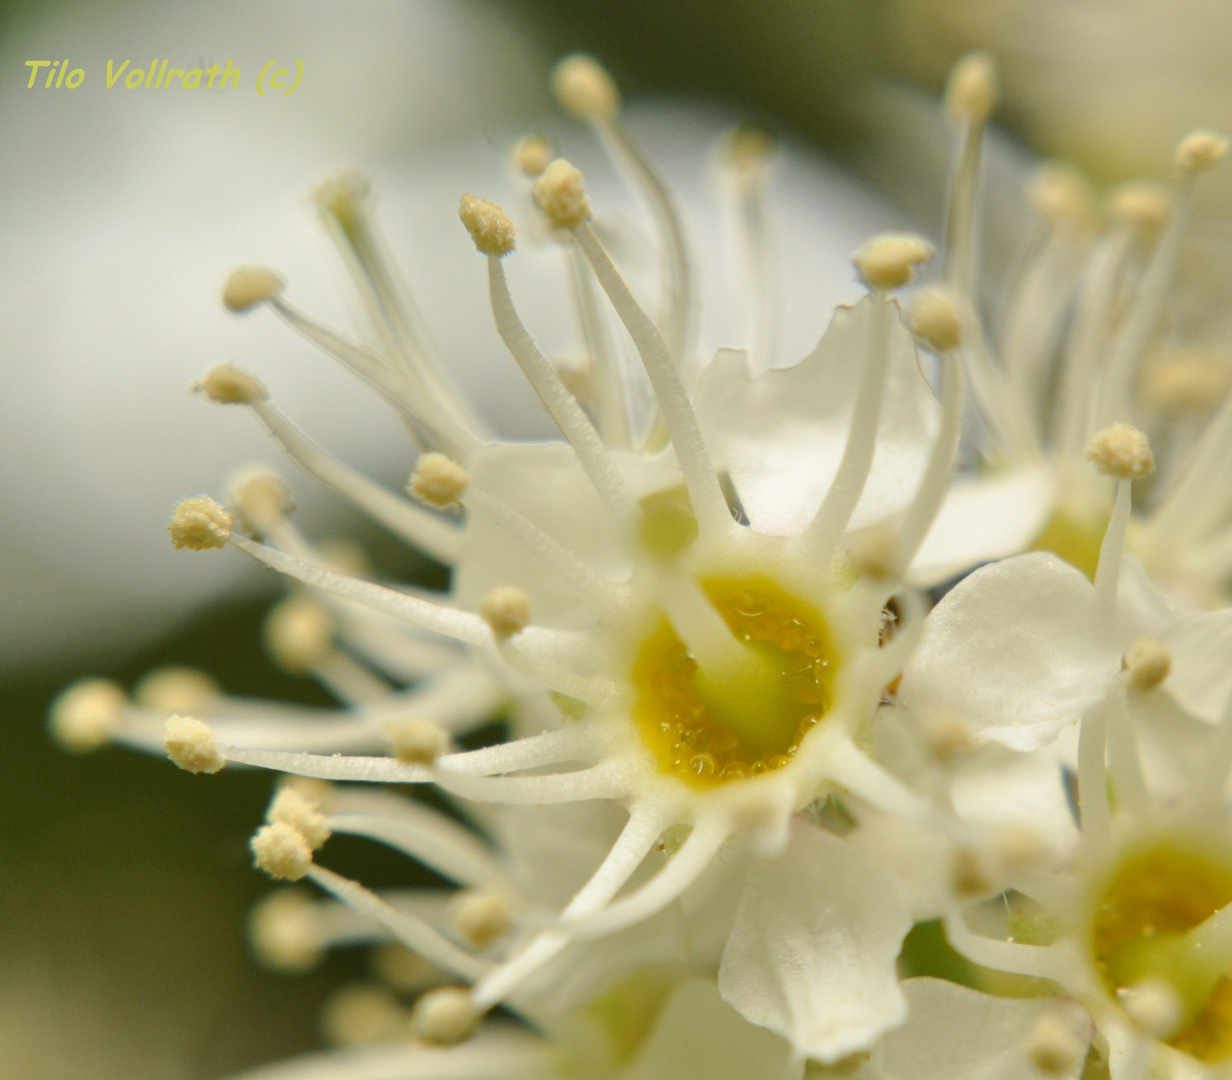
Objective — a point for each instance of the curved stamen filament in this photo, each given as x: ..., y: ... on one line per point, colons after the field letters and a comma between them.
x: 699, y: 475
x: 422, y: 840
x: 565, y: 410
x: 431, y: 534
x: 1110, y: 551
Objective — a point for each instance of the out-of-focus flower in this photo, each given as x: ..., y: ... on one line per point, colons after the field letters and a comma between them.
x: 122, y: 209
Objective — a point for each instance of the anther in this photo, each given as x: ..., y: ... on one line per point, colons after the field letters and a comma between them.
x: 489, y: 225
x: 971, y: 93
x: 532, y: 155
x: 294, y: 808
x: 176, y: 690
x: 1153, y: 1005
x: 192, y: 745
x: 1187, y: 382
x: 1144, y: 205
x: 416, y: 742
x: 340, y: 195
x: 750, y: 147
x: 445, y: 1016
x: 934, y: 321
x: 1123, y: 451
x: 299, y: 634
x: 228, y: 385
x: 969, y: 876
x: 198, y: 523
x: 362, y: 1016
x: 561, y: 194
x: 1147, y: 663
x: 1054, y: 1045
x: 86, y: 714
x: 875, y: 554
x: 481, y: 916
x: 281, y: 851
x: 947, y: 737
x: 438, y: 480
x: 249, y: 286
x: 584, y: 89
x: 285, y: 932
x: 260, y: 499
x: 506, y: 609
x: 888, y: 260
x: 1062, y: 196
x: 1199, y: 152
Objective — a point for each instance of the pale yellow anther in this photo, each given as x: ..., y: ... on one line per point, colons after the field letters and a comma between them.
x: 249, y: 286
x: 192, y: 745
x: 934, y: 320
x: 481, y: 916
x: 299, y: 634
x: 438, y: 480
x: 319, y: 791
x: 874, y: 553
x: 1147, y: 663
x: 506, y: 609
x: 260, y: 499
x: 489, y: 225
x: 340, y: 195
x: 1187, y: 382
x: 345, y: 556
x: 1121, y: 450
x: 889, y: 260
x: 229, y: 385
x: 971, y: 93
x: 1021, y: 847
x: 1063, y: 197
x: 1056, y: 1043
x: 750, y: 147
x: 1154, y: 1006
x: 970, y: 876
x: 198, y: 523
x: 294, y: 808
x: 1199, y: 152
x: 362, y: 1016
x: 445, y: 1016
x: 1145, y: 205
x: 403, y: 969
x: 284, y: 931
x: 532, y: 154
x: 584, y: 89
x: 561, y: 194
x: 281, y: 851
x: 416, y: 742
x: 946, y: 737
x: 86, y: 714
x: 176, y: 690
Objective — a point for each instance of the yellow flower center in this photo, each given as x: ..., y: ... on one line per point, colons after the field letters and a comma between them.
x: 712, y: 727
x: 1142, y: 933
x: 1076, y: 538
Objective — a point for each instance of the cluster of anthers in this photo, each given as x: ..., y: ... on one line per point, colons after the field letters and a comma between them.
x: 736, y: 652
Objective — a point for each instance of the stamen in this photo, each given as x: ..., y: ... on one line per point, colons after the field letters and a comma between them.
x: 889, y: 260
x: 1054, y: 1045
x: 561, y: 404
x: 192, y: 746
x: 87, y: 714
x: 532, y: 155
x: 434, y: 537
x: 405, y: 926
x: 416, y: 742
x: 229, y: 385
x: 1196, y: 154
x: 934, y: 321
x: 199, y: 523
x: 1121, y: 451
x: 1093, y: 778
x: 345, y: 204
x: 821, y: 535
x: 249, y: 286
x: 1147, y: 663
x: 586, y: 91
x: 284, y: 932
x: 427, y: 837
x: 506, y: 610
x: 281, y: 851
x: 445, y: 1016
x: 430, y: 421
x: 970, y: 98
x: 438, y: 481
x: 700, y: 477
x: 294, y: 808
x: 481, y: 916
x: 260, y: 500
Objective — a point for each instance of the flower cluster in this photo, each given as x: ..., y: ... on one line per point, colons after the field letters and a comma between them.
x: 750, y: 761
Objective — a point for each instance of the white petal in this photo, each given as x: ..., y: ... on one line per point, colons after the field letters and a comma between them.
x: 812, y: 954
x: 780, y: 433
x: 956, y: 1032
x: 983, y: 518
x: 1015, y: 651
x: 697, y: 1035
x: 1201, y: 676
